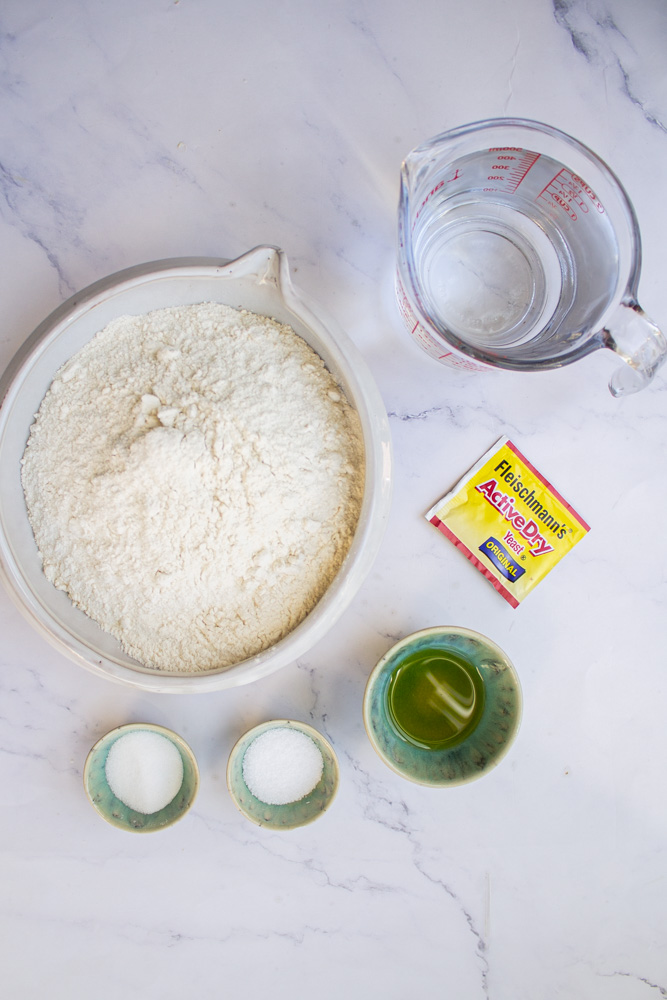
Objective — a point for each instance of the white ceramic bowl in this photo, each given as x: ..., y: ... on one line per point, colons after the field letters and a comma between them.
x: 258, y: 281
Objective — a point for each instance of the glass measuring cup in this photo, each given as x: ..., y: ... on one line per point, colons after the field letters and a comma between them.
x: 519, y: 249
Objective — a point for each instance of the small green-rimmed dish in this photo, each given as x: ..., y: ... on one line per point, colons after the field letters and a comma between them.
x: 292, y: 814
x: 482, y: 746
x: 112, y: 809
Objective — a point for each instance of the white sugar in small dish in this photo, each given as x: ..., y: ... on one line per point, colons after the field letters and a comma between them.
x: 289, y: 762
x: 144, y: 770
x: 139, y: 790
x: 282, y: 765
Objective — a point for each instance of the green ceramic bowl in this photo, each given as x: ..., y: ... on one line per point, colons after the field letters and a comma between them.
x: 293, y: 814
x: 116, y: 812
x: 489, y: 741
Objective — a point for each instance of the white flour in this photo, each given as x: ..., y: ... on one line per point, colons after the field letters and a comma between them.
x: 193, y: 479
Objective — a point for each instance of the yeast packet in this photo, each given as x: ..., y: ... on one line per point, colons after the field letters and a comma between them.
x: 509, y: 521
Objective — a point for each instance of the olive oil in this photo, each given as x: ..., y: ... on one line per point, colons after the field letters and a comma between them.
x: 435, y: 698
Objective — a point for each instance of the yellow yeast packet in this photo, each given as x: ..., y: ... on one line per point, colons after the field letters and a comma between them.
x: 509, y: 521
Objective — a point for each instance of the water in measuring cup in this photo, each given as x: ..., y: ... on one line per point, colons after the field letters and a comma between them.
x: 512, y: 248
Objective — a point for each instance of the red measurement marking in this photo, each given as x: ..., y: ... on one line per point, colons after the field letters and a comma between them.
x: 552, y: 181
x: 434, y: 190
x: 589, y: 191
x: 567, y: 188
x: 516, y: 173
x: 526, y: 163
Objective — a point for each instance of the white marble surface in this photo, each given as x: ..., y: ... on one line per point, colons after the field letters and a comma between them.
x: 136, y: 131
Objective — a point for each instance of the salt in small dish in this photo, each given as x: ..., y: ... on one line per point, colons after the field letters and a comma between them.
x: 480, y: 749
x: 291, y: 814
x: 115, y: 811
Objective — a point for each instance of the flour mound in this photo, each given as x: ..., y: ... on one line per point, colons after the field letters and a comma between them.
x: 193, y: 479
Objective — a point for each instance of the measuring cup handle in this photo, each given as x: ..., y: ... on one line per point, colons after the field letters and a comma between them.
x: 643, y: 347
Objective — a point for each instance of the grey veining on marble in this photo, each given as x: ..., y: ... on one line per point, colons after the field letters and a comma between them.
x: 133, y: 132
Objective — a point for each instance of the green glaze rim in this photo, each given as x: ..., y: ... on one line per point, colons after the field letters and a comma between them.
x: 488, y: 743
x: 292, y: 814
x: 112, y: 809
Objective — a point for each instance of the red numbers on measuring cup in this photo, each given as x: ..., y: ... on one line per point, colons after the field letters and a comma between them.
x: 569, y: 192
x: 510, y: 167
